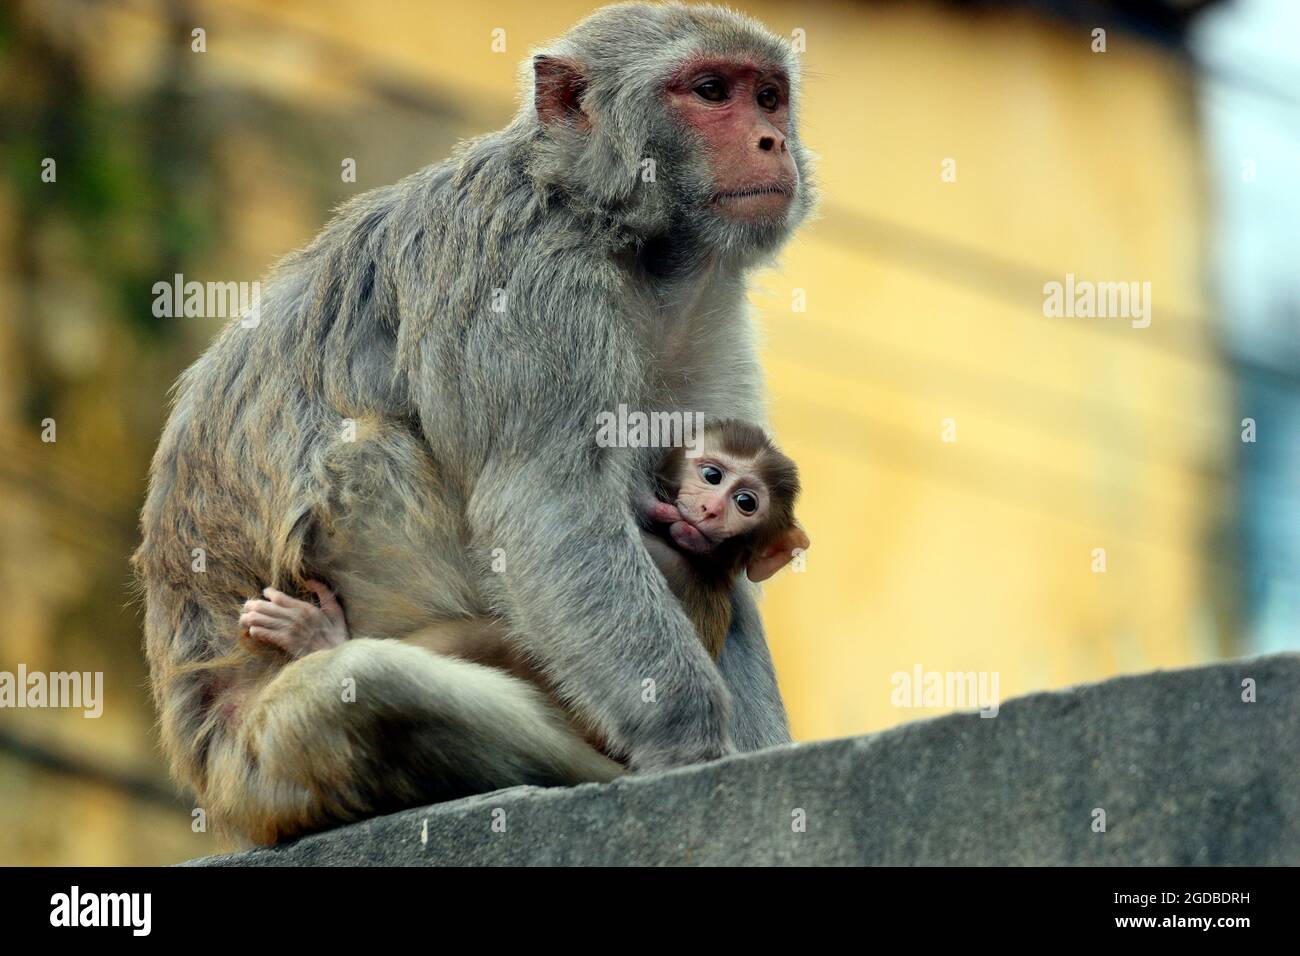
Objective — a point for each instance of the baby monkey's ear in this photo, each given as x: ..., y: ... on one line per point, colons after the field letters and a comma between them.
x: 777, y: 554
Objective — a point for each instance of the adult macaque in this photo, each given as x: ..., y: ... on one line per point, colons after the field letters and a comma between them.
x: 413, y: 420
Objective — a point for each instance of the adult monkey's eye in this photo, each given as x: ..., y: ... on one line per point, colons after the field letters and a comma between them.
x: 747, y: 502
x: 711, y: 90
x: 769, y: 99
x: 711, y: 474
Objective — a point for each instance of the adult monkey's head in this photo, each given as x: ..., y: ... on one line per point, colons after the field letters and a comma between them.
x: 670, y: 122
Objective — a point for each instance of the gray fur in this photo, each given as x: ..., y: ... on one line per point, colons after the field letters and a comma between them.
x: 475, y: 431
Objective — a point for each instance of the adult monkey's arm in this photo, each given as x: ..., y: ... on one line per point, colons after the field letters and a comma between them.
x: 582, y: 595
x: 758, y: 717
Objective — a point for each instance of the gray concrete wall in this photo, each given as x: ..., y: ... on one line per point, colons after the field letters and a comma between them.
x: 1185, y: 770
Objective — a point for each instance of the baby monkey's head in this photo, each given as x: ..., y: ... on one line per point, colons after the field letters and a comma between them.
x: 736, y: 498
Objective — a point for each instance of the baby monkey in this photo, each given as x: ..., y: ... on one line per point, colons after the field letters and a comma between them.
x: 730, y: 509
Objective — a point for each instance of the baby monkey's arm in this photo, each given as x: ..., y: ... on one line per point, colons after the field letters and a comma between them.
x: 296, y: 627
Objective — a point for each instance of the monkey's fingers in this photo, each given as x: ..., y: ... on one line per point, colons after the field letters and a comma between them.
x: 328, y: 602
x: 661, y: 512
x: 273, y: 638
x: 285, y: 601
x: 279, y: 611
x: 251, y: 619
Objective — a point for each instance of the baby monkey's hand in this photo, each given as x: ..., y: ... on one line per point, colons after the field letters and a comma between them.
x: 296, y: 627
x: 653, y: 511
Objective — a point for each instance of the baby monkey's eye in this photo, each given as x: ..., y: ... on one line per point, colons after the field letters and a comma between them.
x: 711, y: 474
x: 712, y: 90
x: 769, y: 98
x: 747, y: 502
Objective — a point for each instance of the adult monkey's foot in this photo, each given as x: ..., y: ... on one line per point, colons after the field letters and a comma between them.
x: 296, y: 627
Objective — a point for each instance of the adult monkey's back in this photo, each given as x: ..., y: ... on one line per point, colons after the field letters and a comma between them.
x: 473, y: 321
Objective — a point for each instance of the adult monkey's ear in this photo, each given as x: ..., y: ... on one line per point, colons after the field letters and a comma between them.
x: 558, y: 85
x: 777, y: 554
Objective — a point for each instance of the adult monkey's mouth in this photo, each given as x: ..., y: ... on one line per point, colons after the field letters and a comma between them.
x: 775, y: 189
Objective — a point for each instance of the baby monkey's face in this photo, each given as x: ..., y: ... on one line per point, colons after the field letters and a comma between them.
x: 720, y: 497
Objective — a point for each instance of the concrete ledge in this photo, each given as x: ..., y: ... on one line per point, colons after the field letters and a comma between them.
x: 1186, y: 772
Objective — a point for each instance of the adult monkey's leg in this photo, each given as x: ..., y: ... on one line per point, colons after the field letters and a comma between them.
x: 373, y: 726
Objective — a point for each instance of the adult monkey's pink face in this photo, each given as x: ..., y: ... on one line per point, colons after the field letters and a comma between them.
x: 741, y: 111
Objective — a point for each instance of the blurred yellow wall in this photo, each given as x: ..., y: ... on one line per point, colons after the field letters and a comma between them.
x: 924, y: 303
